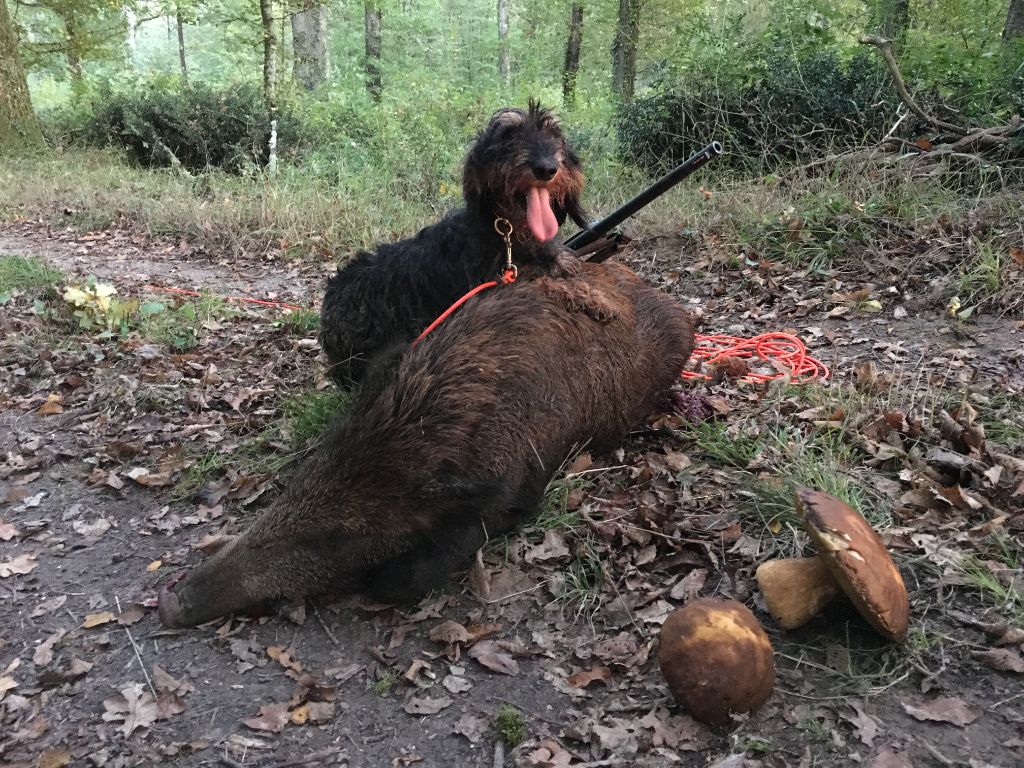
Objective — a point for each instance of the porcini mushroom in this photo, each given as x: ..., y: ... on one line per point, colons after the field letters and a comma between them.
x: 852, y: 558
x: 796, y: 589
x: 717, y: 659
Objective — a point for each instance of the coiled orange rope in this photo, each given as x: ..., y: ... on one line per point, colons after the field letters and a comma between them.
x: 783, y: 351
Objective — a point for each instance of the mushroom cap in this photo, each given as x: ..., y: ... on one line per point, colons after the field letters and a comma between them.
x: 717, y: 659
x: 858, y: 560
x: 796, y: 589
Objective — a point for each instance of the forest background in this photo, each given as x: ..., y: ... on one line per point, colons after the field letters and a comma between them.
x: 372, y: 103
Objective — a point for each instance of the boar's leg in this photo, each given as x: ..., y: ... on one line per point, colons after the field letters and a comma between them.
x: 449, y: 547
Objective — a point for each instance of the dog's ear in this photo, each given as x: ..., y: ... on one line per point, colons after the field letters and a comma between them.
x: 506, y: 116
x: 473, y: 184
x: 570, y: 203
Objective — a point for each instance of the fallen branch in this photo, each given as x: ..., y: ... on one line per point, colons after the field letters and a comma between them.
x: 885, y: 48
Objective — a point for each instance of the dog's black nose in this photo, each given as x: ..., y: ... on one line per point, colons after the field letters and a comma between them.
x: 544, y: 170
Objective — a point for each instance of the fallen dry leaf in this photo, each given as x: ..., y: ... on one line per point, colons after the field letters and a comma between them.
x: 54, y: 757
x: 283, y: 657
x: 888, y: 758
x: 272, y: 718
x: 867, y: 727
x: 1003, y: 659
x: 427, y: 706
x: 19, y: 566
x: 472, y: 727
x: 97, y: 619
x: 166, y: 684
x: 44, y: 651
x: 449, y: 633
x: 51, y: 407
x: 137, y: 708
x: 583, y: 678
x: 690, y: 585
x: 942, y: 710
x: 7, y: 531
x: 551, y: 549
x: 457, y: 684
x: 133, y: 614
x: 492, y: 656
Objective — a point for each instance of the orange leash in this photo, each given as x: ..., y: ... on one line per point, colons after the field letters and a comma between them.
x: 785, y: 352
x: 262, y: 302
x: 508, y: 277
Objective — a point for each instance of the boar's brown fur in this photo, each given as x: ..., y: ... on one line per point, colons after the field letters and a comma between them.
x: 451, y: 442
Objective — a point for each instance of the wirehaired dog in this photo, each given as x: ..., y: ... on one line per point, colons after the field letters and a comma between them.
x: 519, y: 176
x: 453, y: 442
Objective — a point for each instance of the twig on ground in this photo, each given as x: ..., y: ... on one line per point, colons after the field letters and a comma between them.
x: 499, y: 754
x: 138, y: 656
x: 316, y: 612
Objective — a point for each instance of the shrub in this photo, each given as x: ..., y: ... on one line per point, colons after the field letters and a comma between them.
x: 200, y: 127
x: 795, y: 109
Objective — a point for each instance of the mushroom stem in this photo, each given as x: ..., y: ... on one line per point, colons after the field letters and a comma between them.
x: 796, y: 589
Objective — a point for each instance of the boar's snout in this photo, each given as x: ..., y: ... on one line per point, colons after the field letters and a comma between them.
x: 172, y: 612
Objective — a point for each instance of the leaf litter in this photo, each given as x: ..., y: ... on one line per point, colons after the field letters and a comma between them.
x: 684, y: 510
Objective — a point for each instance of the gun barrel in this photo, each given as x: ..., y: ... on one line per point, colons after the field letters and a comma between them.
x: 657, y: 189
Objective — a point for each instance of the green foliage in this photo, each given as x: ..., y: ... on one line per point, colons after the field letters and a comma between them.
x: 797, y: 109
x: 509, y: 725
x: 25, y: 274
x: 308, y: 414
x: 163, y: 124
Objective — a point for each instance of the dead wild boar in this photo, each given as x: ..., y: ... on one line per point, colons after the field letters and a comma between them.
x: 452, y: 441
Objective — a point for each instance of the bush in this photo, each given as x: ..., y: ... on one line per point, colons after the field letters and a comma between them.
x: 794, y: 110
x: 199, y: 126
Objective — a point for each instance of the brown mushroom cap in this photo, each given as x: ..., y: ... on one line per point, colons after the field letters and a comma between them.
x: 858, y: 560
x: 717, y: 659
x: 796, y: 589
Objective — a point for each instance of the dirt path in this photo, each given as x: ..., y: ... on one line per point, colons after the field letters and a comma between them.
x: 93, y: 519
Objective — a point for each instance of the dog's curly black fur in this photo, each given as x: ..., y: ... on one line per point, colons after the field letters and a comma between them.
x: 392, y: 294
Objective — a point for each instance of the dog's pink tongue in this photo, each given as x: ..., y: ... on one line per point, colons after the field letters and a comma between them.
x: 539, y: 215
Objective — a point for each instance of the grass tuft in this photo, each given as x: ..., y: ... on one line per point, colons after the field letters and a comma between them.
x: 20, y: 273
x: 510, y: 725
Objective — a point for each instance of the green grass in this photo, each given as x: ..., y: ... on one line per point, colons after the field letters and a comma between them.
x: 307, y: 414
x: 386, y: 683
x: 20, y: 273
x: 994, y: 573
x: 510, y: 725
x: 302, y: 417
x: 1002, y: 416
x: 768, y: 467
x: 980, y: 277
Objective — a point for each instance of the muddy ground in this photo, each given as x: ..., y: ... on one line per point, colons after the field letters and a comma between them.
x: 124, y: 457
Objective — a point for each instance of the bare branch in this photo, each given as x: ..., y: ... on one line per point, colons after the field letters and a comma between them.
x: 885, y: 48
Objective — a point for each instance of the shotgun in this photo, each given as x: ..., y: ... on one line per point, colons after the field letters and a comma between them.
x: 585, y: 242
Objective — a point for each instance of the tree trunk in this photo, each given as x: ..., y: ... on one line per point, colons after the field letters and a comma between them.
x: 72, y: 45
x: 894, y: 19
x: 572, y: 54
x: 1014, y: 21
x: 181, y: 44
x: 270, y: 79
x: 504, y: 67
x: 627, y: 31
x: 19, y: 128
x: 269, y: 62
x: 309, y: 42
x: 371, y: 24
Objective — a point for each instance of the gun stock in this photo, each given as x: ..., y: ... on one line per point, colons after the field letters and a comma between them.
x: 601, y: 228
